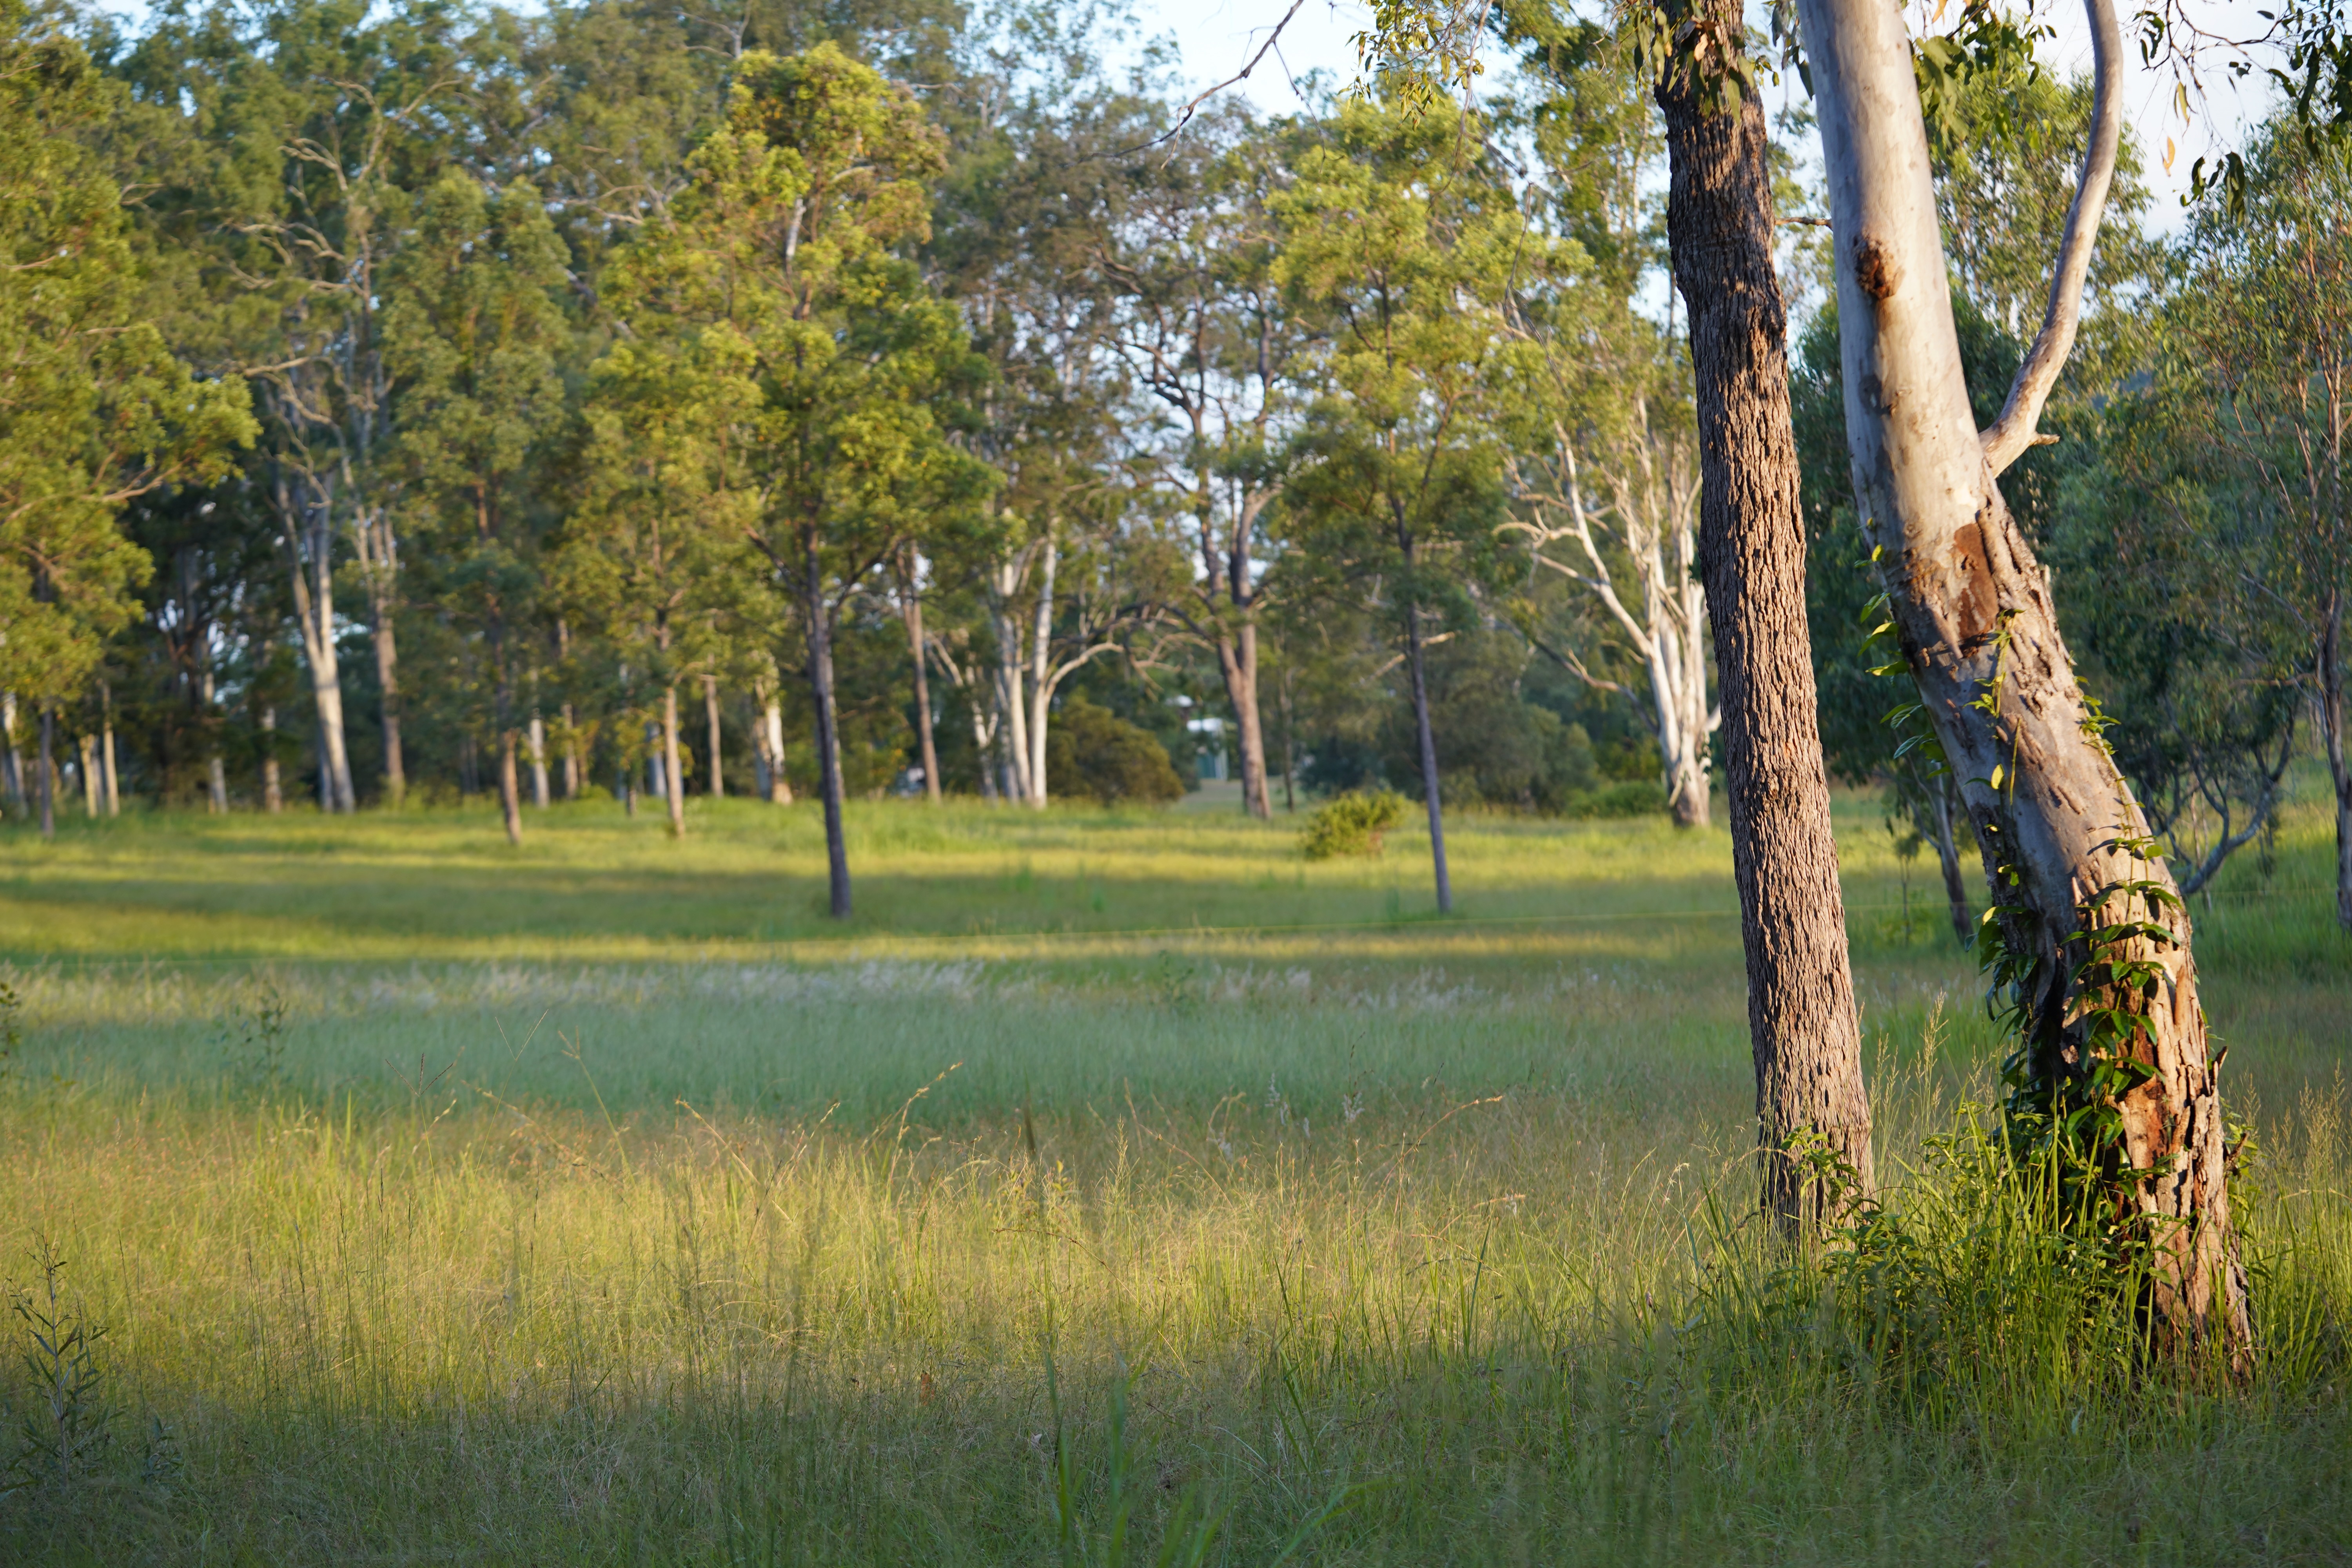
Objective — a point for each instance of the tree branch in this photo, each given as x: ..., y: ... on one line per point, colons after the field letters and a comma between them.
x: 2013, y: 432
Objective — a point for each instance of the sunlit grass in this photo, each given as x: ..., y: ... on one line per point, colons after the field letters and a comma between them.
x: 634, y: 1240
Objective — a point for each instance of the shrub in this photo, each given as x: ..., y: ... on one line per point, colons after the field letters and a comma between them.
x: 1631, y: 798
x: 1092, y: 750
x: 1351, y: 823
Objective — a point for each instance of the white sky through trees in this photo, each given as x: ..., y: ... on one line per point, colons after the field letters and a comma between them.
x: 1217, y: 38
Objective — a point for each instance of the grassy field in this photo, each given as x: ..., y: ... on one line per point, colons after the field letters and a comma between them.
x: 1113, y: 1188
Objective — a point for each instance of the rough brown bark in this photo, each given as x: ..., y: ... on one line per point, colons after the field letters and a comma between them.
x: 1803, y: 1027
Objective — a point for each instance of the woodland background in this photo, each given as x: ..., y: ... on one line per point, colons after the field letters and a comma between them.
x: 433, y: 401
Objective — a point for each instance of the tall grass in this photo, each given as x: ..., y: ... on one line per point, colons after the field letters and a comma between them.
x: 950, y: 1259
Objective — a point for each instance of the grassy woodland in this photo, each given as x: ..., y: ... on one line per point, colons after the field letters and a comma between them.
x: 1110, y: 1185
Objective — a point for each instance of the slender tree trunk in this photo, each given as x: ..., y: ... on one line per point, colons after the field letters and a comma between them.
x: 1237, y: 663
x: 1948, y: 860
x: 509, y: 785
x: 1289, y: 746
x: 106, y: 749
x: 503, y: 705
x: 49, y: 765
x: 1041, y: 653
x: 2064, y: 842
x: 217, y: 784
x: 780, y: 786
x: 90, y: 784
x: 314, y: 613
x: 1013, y: 720
x: 710, y: 722
x: 2331, y: 727
x: 273, y: 794
x: 538, y: 736
x: 12, y: 759
x: 673, y: 780
x: 387, y: 677
x: 911, y: 607
x: 828, y: 745
x: 1803, y: 1027
x: 1427, y: 740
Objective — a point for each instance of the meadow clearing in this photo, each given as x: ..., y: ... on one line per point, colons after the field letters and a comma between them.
x: 1111, y: 1188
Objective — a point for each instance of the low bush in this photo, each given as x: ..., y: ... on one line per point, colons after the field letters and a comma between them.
x: 1351, y: 823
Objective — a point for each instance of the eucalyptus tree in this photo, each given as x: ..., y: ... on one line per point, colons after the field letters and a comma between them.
x: 317, y: 120
x: 777, y: 278
x: 656, y: 552
x: 1203, y: 326
x: 1613, y: 509
x: 1039, y: 177
x: 2088, y: 934
x: 1397, y: 240
x: 474, y: 334
x: 95, y: 411
x: 2267, y: 314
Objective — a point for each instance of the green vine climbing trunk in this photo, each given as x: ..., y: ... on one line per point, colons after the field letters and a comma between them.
x: 2113, y: 1077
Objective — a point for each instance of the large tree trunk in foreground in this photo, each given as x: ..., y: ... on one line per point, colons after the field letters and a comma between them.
x: 1802, y: 1023
x: 2065, y: 846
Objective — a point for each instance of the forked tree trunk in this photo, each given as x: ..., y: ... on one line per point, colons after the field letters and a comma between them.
x: 314, y: 614
x: 1237, y: 662
x: 2065, y: 846
x: 1801, y: 1024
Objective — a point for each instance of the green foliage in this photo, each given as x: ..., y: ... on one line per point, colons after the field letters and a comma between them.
x: 1092, y: 751
x: 95, y: 409
x: 1351, y: 823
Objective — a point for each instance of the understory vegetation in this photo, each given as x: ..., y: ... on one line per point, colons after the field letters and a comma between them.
x: 1113, y: 1183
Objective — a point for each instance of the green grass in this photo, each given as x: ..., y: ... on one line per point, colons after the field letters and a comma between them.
x: 603, y: 1201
